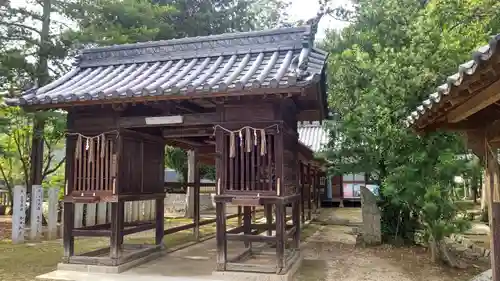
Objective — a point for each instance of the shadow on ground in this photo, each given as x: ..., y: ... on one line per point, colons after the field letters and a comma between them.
x: 331, y: 254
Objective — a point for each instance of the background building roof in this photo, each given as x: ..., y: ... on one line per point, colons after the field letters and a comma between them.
x: 312, y: 135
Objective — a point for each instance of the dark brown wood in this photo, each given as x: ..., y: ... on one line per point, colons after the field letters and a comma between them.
x: 68, y: 224
x: 268, y: 209
x: 302, y: 197
x: 221, y: 237
x: 280, y: 238
x: 91, y: 233
x: 296, y: 223
x: 495, y: 233
x: 131, y: 167
x: 159, y: 221
x: 247, y: 201
x: 116, y: 229
x: 247, y: 223
x: 240, y: 217
x: 309, y: 187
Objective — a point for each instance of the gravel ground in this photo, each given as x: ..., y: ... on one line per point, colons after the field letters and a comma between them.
x: 331, y: 254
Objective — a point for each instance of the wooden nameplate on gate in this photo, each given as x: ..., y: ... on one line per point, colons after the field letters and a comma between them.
x: 246, y: 201
x: 86, y: 199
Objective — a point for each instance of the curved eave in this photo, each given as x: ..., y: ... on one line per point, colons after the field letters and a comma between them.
x: 233, y: 74
x: 420, y: 117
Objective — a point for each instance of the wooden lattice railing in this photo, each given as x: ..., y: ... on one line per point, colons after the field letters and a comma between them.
x: 94, y: 163
x: 249, y: 162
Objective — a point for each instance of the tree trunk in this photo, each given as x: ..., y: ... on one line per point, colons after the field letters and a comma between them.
x: 474, y: 193
x: 42, y: 78
x: 434, y: 250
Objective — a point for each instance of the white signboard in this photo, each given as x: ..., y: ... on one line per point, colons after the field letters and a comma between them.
x: 164, y: 120
x: 19, y: 214
x: 36, y: 212
x: 52, y: 216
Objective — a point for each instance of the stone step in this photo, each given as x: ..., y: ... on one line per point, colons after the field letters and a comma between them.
x: 61, y: 275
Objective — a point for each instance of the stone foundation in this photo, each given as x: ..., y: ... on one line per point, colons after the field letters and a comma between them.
x: 253, y: 276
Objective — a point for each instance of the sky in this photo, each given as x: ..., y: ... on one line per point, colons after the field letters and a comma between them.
x: 307, y: 9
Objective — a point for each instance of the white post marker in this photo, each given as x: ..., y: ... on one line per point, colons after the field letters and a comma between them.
x: 135, y: 210
x: 147, y: 210
x: 78, y: 215
x: 101, y: 212
x: 152, y: 214
x: 19, y: 214
x: 36, y: 212
x: 142, y: 212
x: 52, y: 217
x: 90, y: 216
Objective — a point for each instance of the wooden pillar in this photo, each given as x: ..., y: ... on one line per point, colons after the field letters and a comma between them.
x: 302, y: 199
x: 160, y: 224
x: 221, y: 236
x: 247, y: 223
x: 116, y: 239
x: 220, y: 207
x: 268, y: 210
x: 280, y: 236
x: 495, y: 223
x: 296, y: 223
x: 68, y: 225
x: 318, y: 191
x: 240, y: 215
x: 196, y: 201
x: 309, y: 184
x: 314, y: 191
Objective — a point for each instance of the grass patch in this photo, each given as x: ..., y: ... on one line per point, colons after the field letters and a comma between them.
x: 23, y: 262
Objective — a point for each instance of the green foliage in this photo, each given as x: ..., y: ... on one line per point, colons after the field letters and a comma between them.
x: 381, y: 67
x: 176, y: 158
x: 106, y: 22
x: 15, y: 145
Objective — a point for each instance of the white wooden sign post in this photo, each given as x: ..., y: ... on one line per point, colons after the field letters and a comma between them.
x: 52, y: 217
x: 36, y: 212
x: 19, y: 214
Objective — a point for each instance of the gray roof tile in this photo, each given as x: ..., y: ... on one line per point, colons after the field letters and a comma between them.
x: 219, y: 63
x: 481, y: 55
x: 312, y: 135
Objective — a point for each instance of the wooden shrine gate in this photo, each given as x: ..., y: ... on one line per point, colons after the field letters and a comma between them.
x: 233, y: 99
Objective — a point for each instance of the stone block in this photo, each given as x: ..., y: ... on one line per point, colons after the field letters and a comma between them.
x: 371, y: 227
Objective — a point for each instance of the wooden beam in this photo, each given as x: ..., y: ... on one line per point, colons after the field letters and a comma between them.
x: 477, y: 102
x: 152, y: 121
x: 171, y: 133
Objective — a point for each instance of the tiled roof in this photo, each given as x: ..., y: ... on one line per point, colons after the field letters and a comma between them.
x: 312, y: 135
x: 467, y: 69
x: 219, y: 63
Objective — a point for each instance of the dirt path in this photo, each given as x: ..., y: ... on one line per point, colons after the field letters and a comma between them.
x: 331, y: 254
